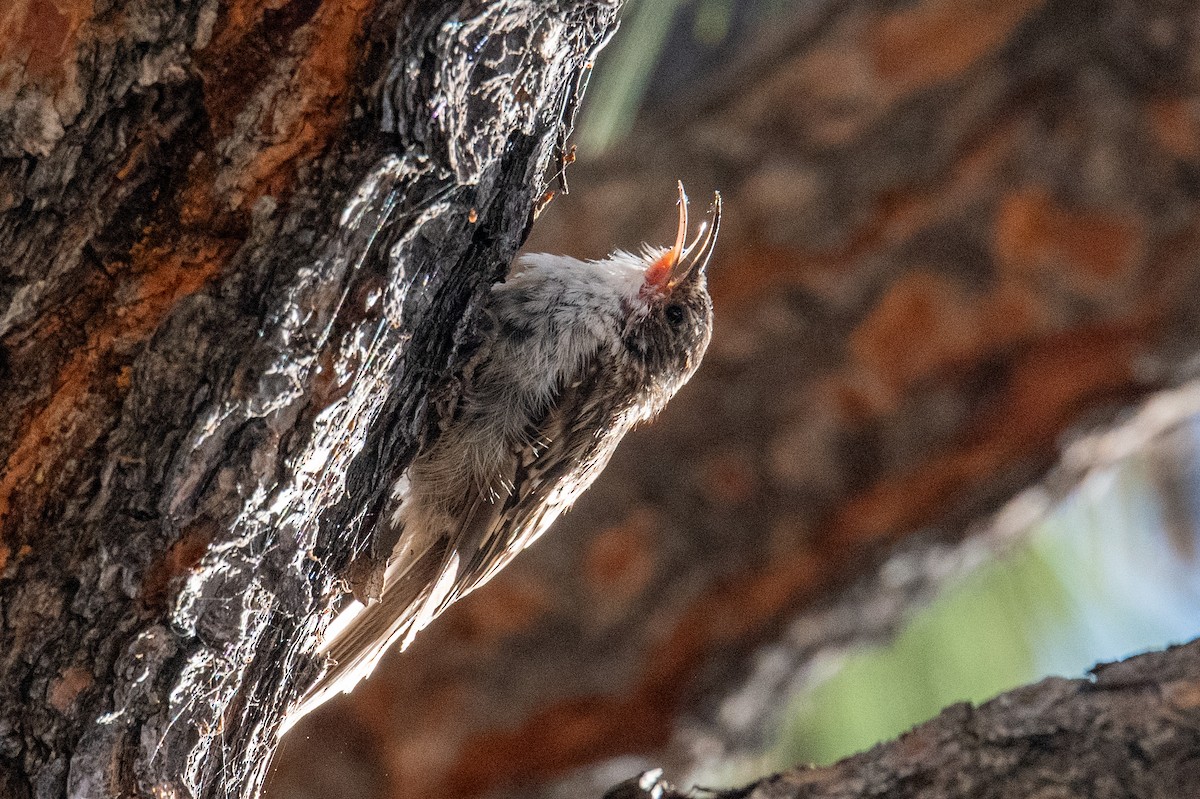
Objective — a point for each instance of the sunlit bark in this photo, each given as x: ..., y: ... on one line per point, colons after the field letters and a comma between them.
x: 239, y: 244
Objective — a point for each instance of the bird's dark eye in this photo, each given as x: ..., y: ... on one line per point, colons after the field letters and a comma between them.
x: 675, y: 314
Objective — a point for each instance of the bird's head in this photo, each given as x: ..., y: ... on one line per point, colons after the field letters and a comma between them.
x: 670, y: 323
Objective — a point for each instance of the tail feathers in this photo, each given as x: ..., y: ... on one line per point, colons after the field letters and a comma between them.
x: 359, y: 636
x: 436, y: 599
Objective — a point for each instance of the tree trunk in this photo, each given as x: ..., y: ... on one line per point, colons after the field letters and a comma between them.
x: 240, y: 244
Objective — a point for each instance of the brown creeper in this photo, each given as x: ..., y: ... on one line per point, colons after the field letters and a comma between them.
x: 574, y: 354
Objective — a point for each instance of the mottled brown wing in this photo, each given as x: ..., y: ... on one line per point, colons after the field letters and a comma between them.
x: 567, y: 448
x: 565, y: 451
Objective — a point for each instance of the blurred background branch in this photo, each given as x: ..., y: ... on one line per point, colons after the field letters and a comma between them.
x: 1130, y: 730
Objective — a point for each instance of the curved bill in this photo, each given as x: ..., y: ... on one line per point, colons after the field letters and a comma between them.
x: 680, y: 261
x: 699, y: 252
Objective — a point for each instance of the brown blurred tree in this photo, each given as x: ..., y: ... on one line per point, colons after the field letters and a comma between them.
x: 955, y: 234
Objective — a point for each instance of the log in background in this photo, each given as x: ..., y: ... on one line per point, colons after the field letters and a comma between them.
x: 1128, y: 730
x: 955, y: 234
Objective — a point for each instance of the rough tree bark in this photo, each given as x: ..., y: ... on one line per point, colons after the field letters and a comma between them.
x: 240, y: 241
x: 955, y: 235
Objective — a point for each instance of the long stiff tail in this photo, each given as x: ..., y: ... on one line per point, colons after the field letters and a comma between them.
x: 358, y: 637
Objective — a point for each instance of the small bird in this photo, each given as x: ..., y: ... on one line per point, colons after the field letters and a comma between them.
x: 572, y: 354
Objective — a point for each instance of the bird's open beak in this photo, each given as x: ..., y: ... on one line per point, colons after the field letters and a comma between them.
x: 677, y: 263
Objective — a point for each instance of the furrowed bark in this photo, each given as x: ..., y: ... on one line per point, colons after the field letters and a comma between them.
x: 239, y: 242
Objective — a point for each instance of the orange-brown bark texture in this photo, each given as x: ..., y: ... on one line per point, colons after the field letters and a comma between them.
x: 955, y: 234
x: 134, y: 144
x: 97, y: 318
